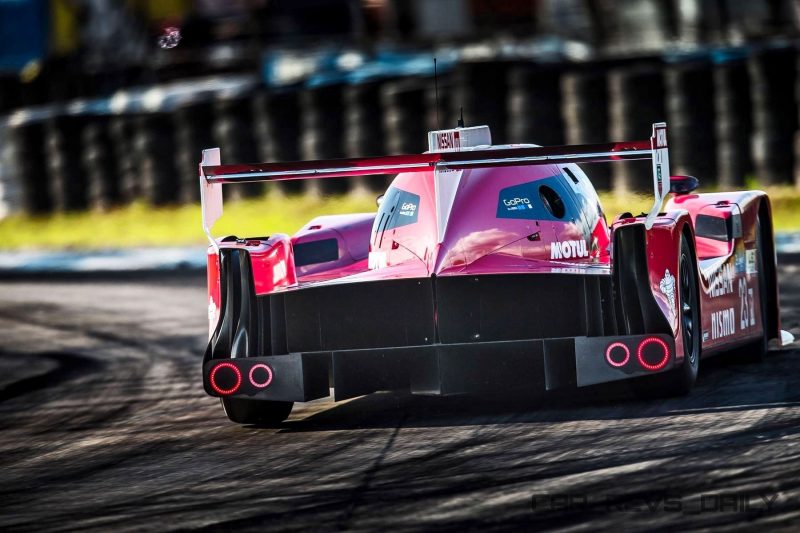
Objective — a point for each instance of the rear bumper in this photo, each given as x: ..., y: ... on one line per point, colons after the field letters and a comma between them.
x: 442, y: 369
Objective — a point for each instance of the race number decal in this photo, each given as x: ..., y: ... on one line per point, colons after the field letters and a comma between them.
x: 747, y: 316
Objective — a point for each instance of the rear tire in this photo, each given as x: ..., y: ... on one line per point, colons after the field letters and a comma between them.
x: 256, y: 412
x: 680, y: 381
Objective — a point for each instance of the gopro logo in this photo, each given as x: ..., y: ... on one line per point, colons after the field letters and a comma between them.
x: 517, y: 201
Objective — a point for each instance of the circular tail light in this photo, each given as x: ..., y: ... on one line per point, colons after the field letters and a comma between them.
x: 230, y: 382
x: 664, y: 356
x: 616, y: 350
x: 263, y: 382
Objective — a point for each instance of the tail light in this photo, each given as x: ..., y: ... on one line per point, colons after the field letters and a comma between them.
x: 656, y: 356
x: 225, y: 379
x: 260, y: 376
x: 617, y: 354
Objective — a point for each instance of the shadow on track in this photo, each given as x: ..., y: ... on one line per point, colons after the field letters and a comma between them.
x: 723, y: 385
x: 67, y: 366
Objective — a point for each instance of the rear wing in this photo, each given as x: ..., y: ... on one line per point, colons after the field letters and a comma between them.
x: 213, y: 174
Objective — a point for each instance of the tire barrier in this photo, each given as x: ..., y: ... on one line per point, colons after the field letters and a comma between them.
x: 233, y: 131
x: 121, y: 132
x: 9, y: 92
x: 66, y: 176
x: 28, y: 165
x: 734, y: 125
x: 363, y: 127
x: 691, y: 118
x: 772, y: 75
x: 732, y: 113
x: 636, y: 95
x: 154, y: 146
x: 534, y: 105
x: 322, y: 136
x: 585, y: 111
x: 193, y: 134
x: 277, y: 130
x: 438, y: 101
x: 404, y: 116
x: 99, y: 164
x: 481, y: 90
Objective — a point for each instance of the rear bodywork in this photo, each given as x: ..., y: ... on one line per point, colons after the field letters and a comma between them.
x: 470, y: 280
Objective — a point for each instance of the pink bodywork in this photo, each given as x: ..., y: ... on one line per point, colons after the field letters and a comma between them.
x: 475, y: 241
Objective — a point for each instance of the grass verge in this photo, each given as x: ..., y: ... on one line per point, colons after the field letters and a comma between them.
x: 141, y: 225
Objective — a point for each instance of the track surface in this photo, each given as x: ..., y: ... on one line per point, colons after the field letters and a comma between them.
x: 104, y: 426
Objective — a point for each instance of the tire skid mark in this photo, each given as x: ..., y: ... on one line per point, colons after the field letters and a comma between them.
x: 68, y: 366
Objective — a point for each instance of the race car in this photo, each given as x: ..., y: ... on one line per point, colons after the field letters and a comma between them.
x: 487, y: 268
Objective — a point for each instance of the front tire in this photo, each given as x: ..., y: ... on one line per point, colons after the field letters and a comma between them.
x: 256, y: 412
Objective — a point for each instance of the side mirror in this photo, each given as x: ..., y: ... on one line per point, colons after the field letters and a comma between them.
x: 379, y: 200
x: 683, y: 184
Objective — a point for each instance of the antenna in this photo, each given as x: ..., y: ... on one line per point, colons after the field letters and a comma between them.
x: 436, y: 89
x: 461, y: 118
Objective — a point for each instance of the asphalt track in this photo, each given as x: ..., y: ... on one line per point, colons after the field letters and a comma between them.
x: 104, y: 426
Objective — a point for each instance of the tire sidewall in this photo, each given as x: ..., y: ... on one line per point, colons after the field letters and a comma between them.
x: 689, y: 368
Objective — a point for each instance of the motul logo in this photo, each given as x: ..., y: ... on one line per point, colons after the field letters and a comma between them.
x: 448, y: 140
x: 568, y: 250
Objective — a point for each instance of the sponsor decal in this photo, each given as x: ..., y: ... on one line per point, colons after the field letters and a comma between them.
x: 751, y: 261
x: 398, y: 208
x: 705, y: 335
x: 522, y: 201
x: 721, y: 281
x: 515, y: 204
x: 568, y: 250
x: 376, y: 260
x: 739, y: 261
x: 448, y: 140
x: 723, y: 323
x: 661, y: 138
x: 212, y: 310
x: 408, y: 209
x: 595, y: 249
x: 278, y: 272
x: 667, y: 286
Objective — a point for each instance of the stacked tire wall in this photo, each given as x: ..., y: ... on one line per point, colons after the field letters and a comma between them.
x: 733, y: 116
